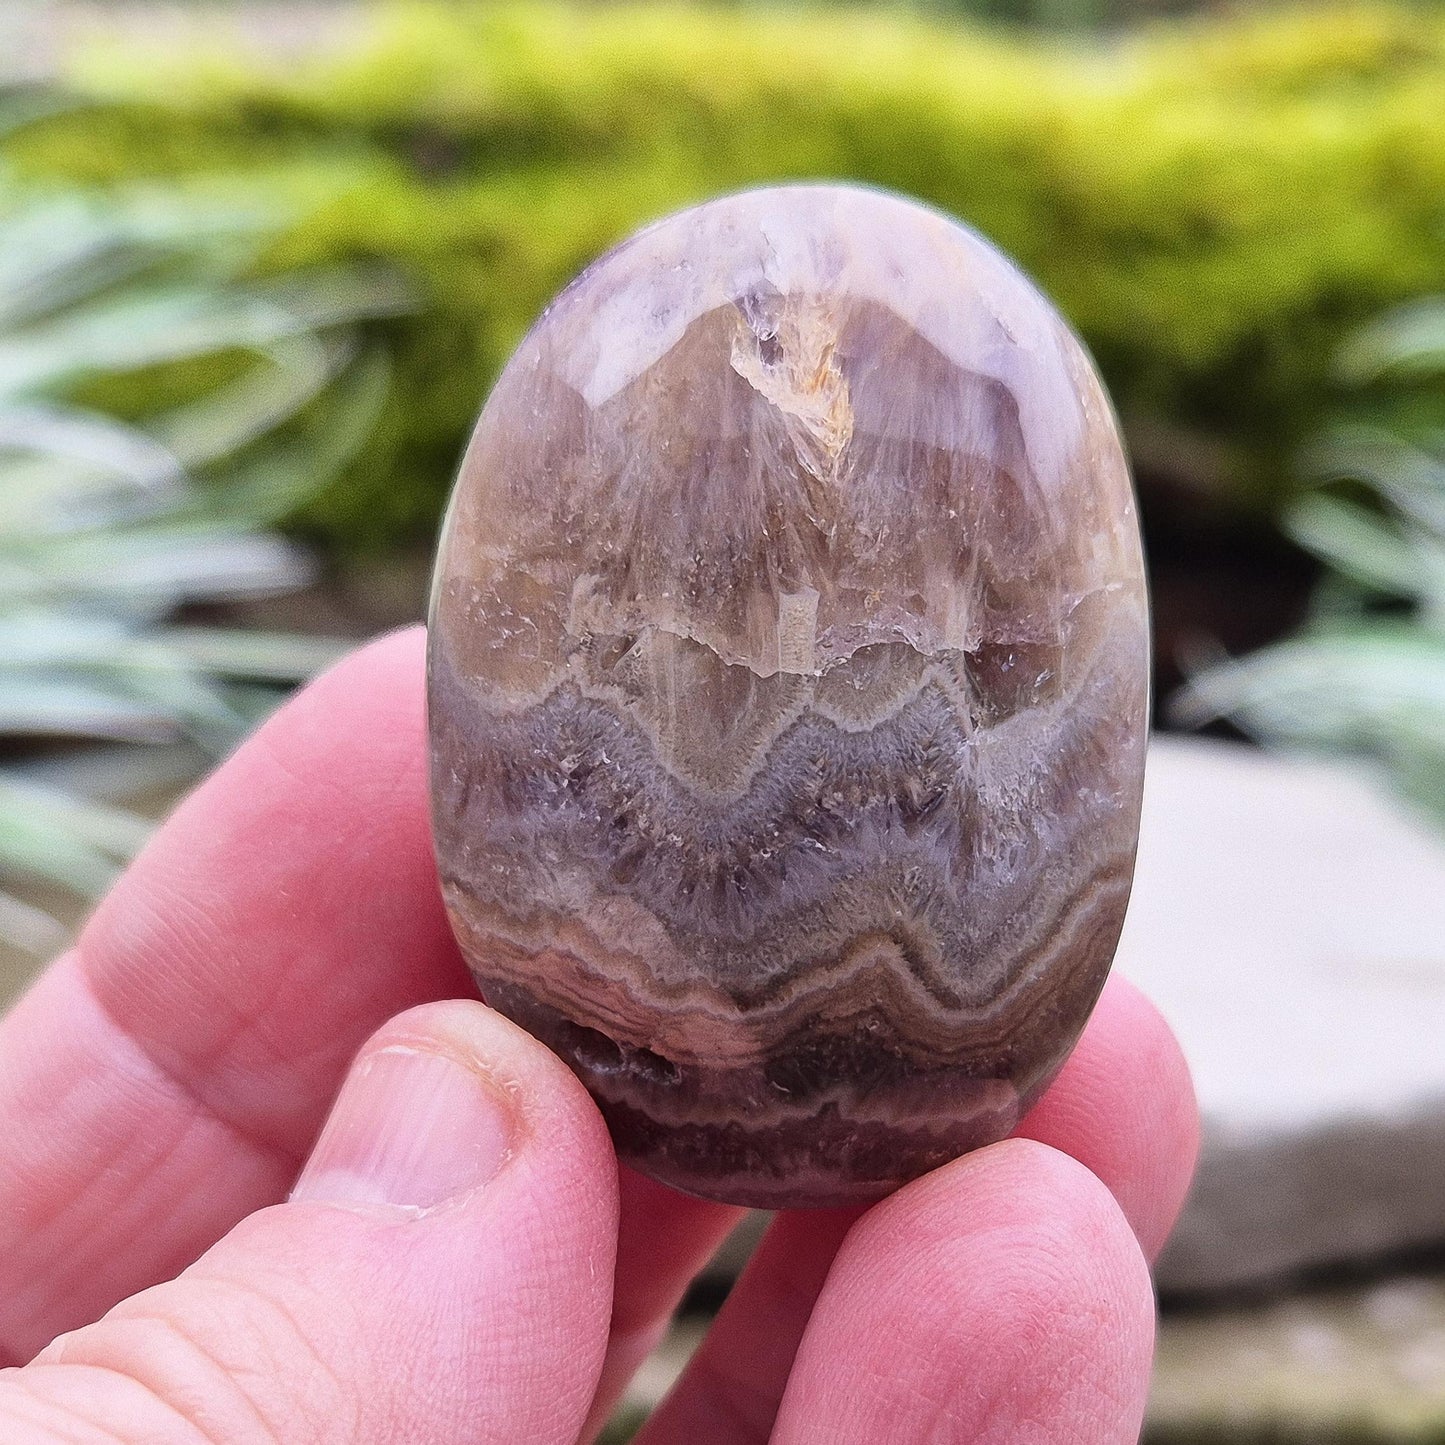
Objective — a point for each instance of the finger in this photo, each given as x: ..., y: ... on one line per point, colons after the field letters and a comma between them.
x: 1123, y: 1105
x: 1002, y: 1298
x: 442, y: 1273
x: 664, y: 1239
x: 730, y: 1390
x: 168, y: 1076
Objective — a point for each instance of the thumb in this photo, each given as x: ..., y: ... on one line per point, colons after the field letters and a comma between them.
x: 442, y: 1272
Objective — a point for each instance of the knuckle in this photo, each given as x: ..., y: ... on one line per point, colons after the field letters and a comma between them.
x: 53, y: 1403
x: 220, y: 1363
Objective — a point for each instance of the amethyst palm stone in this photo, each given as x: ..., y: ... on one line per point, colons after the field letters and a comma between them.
x: 788, y: 683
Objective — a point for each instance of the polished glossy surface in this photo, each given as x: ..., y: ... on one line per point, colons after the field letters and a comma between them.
x: 788, y: 687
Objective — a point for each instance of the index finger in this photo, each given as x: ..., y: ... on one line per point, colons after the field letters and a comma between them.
x: 166, y: 1077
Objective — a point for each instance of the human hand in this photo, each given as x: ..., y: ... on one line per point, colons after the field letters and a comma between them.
x: 460, y: 1258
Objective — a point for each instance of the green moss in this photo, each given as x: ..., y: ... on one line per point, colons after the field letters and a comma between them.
x: 1213, y: 205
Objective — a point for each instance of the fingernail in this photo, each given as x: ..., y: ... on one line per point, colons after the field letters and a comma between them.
x: 411, y: 1129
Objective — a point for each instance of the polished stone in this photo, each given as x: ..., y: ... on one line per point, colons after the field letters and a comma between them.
x: 788, y: 684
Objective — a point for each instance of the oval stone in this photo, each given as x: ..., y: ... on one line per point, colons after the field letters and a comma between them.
x: 788, y: 690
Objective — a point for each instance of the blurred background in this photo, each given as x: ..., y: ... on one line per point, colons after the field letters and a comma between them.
x: 259, y: 264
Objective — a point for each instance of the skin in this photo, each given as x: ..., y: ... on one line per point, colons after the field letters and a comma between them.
x: 280, y: 953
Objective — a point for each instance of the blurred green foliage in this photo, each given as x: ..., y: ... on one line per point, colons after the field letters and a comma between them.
x: 1214, y: 204
x: 1367, y: 673
x: 108, y: 529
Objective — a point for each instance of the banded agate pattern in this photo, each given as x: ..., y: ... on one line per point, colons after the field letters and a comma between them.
x: 788, y: 689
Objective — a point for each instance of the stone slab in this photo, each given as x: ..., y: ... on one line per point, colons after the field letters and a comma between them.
x: 1343, y: 1367
x: 1289, y: 918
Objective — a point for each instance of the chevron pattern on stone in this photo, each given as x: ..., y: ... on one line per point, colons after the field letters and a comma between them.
x: 788, y: 688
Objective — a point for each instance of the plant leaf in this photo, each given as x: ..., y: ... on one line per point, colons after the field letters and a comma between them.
x: 1406, y: 342
x: 1363, y: 545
